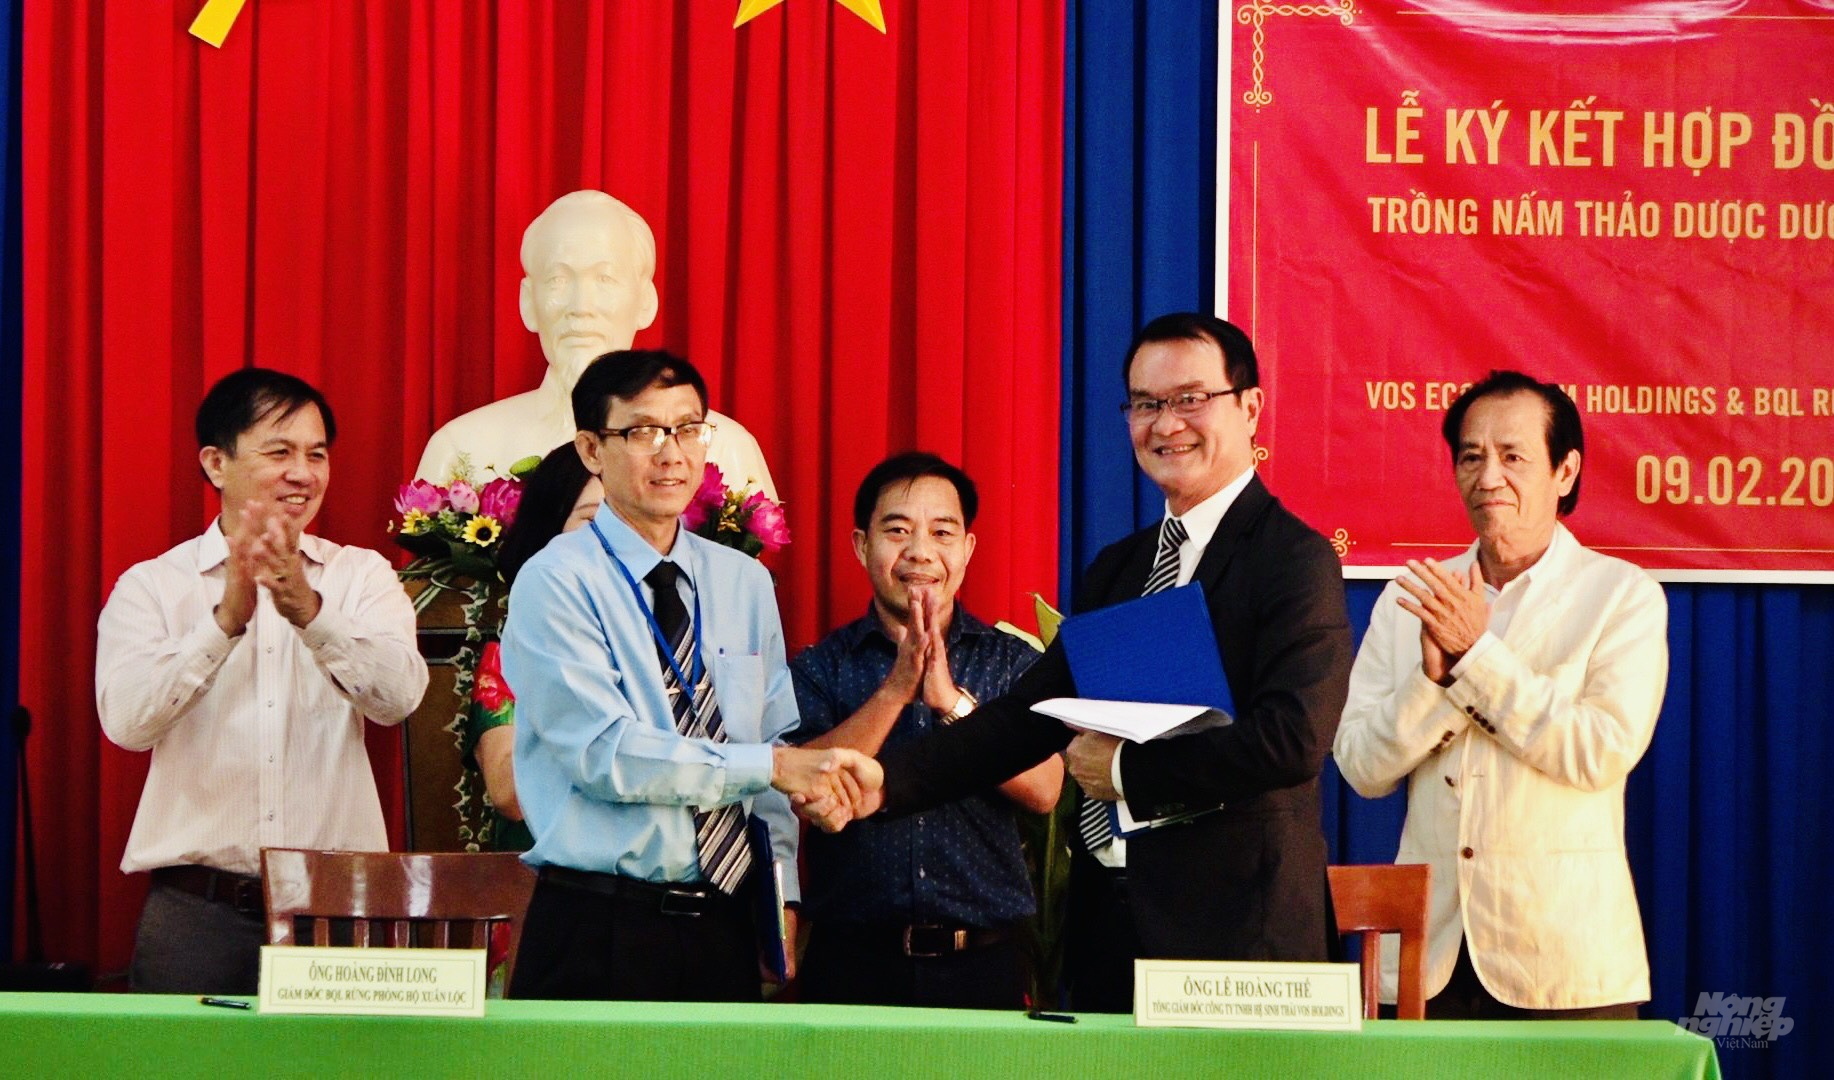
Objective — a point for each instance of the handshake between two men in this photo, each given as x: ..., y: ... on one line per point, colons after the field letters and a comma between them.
x: 828, y: 787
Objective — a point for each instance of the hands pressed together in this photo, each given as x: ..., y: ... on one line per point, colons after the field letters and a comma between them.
x: 1452, y: 611
x: 828, y: 787
x: 921, y: 670
x: 264, y: 554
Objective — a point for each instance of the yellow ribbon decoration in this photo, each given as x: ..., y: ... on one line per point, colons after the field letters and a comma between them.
x: 213, y: 23
x: 751, y: 9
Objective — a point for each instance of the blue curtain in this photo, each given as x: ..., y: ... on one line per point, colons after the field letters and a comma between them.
x: 11, y: 370
x: 1139, y: 223
x: 1729, y: 825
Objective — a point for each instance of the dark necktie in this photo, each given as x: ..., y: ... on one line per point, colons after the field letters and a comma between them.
x: 1093, y: 823
x: 719, y: 833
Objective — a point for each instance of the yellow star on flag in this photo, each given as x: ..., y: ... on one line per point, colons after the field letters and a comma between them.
x: 214, y: 20
x: 865, y: 9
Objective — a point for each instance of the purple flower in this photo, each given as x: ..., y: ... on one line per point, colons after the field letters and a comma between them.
x: 765, y: 520
x: 463, y: 497
x: 420, y: 495
x: 500, y: 498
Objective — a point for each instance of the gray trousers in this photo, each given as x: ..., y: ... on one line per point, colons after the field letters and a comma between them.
x: 189, y: 945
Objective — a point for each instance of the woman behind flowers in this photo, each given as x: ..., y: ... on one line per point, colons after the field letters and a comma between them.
x: 558, y: 496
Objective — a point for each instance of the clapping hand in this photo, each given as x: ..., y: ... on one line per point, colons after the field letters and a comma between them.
x: 264, y: 554
x: 1452, y: 612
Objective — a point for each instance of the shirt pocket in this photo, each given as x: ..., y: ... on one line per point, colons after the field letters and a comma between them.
x: 738, y: 684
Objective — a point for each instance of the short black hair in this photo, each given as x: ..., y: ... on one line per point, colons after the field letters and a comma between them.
x: 245, y: 397
x: 548, y: 495
x: 1565, y: 434
x: 1238, y: 352
x: 908, y: 466
x: 625, y: 374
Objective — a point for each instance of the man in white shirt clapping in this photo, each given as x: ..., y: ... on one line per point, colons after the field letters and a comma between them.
x: 246, y: 659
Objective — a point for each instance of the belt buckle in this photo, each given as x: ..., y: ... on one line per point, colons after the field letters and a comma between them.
x: 245, y: 896
x: 958, y: 940
x: 682, y: 902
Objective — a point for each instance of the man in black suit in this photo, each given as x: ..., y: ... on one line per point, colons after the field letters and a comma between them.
x: 1246, y: 882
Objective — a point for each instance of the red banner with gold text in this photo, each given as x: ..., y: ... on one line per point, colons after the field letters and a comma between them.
x: 1633, y: 200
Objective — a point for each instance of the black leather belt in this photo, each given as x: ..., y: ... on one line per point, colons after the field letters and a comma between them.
x: 930, y: 941
x: 239, y: 891
x: 690, y: 899
x: 919, y: 940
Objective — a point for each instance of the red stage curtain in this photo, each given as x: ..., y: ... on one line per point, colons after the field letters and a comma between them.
x: 858, y: 241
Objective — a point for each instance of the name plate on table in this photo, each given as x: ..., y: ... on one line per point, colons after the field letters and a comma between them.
x: 372, y: 982
x: 1263, y: 995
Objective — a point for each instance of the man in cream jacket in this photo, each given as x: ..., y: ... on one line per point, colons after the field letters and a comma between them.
x: 1514, y: 688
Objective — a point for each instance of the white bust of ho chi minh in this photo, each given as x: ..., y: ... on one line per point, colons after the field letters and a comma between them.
x: 587, y: 262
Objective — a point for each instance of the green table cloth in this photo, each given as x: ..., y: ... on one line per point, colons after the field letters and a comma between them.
x: 149, y: 1035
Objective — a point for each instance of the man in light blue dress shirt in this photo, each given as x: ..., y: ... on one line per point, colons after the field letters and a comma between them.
x: 638, y: 793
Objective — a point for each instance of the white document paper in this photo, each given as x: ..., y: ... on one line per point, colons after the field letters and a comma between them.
x: 1135, y: 721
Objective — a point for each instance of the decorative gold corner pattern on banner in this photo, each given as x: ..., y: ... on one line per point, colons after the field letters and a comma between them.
x: 1341, y: 542
x: 1255, y: 14
x: 1262, y: 453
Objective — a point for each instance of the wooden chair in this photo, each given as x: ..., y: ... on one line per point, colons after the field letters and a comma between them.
x: 399, y: 891
x: 1373, y: 900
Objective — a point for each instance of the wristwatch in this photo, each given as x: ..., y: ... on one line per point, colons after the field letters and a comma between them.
x: 963, y: 706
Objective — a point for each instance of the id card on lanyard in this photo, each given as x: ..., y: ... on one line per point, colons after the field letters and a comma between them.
x: 696, y: 667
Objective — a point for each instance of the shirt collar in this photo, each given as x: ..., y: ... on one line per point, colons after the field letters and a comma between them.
x: 213, y: 547
x: 863, y: 629
x: 1556, y: 549
x: 635, y: 552
x: 1200, y: 521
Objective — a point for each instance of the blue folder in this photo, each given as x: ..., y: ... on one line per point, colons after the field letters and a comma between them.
x: 773, y: 941
x: 1159, y: 648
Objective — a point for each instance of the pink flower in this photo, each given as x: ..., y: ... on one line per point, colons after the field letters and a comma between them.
x: 712, y: 488
x: 422, y: 496
x: 765, y: 520
x: 500, y: 498
x: 463, y: 497
x: 707, y: 500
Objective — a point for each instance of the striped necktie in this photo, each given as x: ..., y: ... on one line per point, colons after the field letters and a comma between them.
x: 719, y: 833
x: 1093, y: 822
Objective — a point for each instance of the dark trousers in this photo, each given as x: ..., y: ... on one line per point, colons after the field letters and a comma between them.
x: 854, y: 964
x: 635, y: 942
x: 1465, y: 998
x: 186, y: 944
x: 1101, y: 941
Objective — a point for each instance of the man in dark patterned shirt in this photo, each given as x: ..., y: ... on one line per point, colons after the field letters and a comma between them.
x: 917, y: 910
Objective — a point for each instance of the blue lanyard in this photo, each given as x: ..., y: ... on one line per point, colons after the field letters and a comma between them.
x: 695, y: 666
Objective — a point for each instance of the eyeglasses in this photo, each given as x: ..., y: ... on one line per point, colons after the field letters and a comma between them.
x: 649, y: 438
x: 1145, y: 410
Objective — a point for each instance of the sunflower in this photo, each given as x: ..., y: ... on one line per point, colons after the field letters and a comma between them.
x: 482, y: 530
x: 414, y: 522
